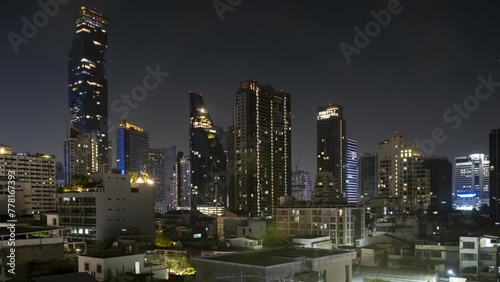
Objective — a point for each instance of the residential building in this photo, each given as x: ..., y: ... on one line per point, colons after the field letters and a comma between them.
x: 132, y: 145
x: 87, y: 82
x: 260, y: 148
x: 478, y: 256
x: 437, y: 257
x: 108, y: 207
x: 81, y: 154
x: 184, y: 185
x: 39, y: 170
x: 21, y: 193
x: 402, y: 173
x: 344, y: 224
x: 472, y: 179
x: 332, y: 143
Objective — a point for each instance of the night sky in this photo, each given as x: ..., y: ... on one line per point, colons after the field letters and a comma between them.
x: 427, y: 59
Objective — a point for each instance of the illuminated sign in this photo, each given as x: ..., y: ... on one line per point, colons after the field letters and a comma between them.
x: 470, y: 195
x: 332, y: 112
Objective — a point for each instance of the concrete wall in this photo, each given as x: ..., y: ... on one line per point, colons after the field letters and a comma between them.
x: 110, y: 266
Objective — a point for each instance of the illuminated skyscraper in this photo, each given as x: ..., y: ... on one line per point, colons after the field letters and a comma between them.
x: 87, y: 83
x: 132, y: 145
x: 208, y: 160
x: 332, y: 143
x: 472, y: 179
x: 184, y: 186
x: 352, y: 189
x: 402, y: 173
x: 261, y: 148
x: 160, y: 166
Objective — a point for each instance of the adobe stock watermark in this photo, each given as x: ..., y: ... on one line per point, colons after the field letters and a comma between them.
x: 373, y: 28
x: 139, y: 93
x: 456, y: 114
x: 30, y: 28
x: 222, y: 6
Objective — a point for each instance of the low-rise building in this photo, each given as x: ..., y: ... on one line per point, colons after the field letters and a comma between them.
x: 40, y: 245
x: 245, y: 243
x: 295, y: 264
x: 109, y: 207
x: 478, y: 256
x: 107, y: 266
x: 318, y: 242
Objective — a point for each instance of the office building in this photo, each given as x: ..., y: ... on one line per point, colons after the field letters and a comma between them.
x: 132, y: 145
x: 495, y: 173
x: 368, y: 176
x: 402, y: 173
x: 261, y: 148
x: 352, y: 173
x: 302, y: 185
x: 108, y: 207
x: 160, y: 166
x: 208, y: 160
x: 332, y: 143
x: 472, y: 179
x: 87, y: 82
x: 441, y: 173
x: 39, y: 170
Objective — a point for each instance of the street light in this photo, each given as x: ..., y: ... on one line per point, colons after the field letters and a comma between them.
x: 451, y: 273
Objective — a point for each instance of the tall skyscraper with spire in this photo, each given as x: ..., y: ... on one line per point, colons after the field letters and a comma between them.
x: 207, y: 160
x: 260, y: 142
x: 87, y: 83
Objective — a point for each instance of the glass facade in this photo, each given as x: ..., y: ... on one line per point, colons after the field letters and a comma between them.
x: 87, y: 83
x: 209, y: 176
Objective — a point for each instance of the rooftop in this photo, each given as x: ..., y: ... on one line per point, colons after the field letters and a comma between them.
x: 272, y: 257
x: 74, y: 277
x: 27, y: 229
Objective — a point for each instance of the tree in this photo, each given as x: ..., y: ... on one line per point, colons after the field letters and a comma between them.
x: 162, y: 240
x: 179, y: 263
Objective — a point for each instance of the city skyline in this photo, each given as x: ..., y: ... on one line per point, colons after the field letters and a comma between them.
x: 452, y: 86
